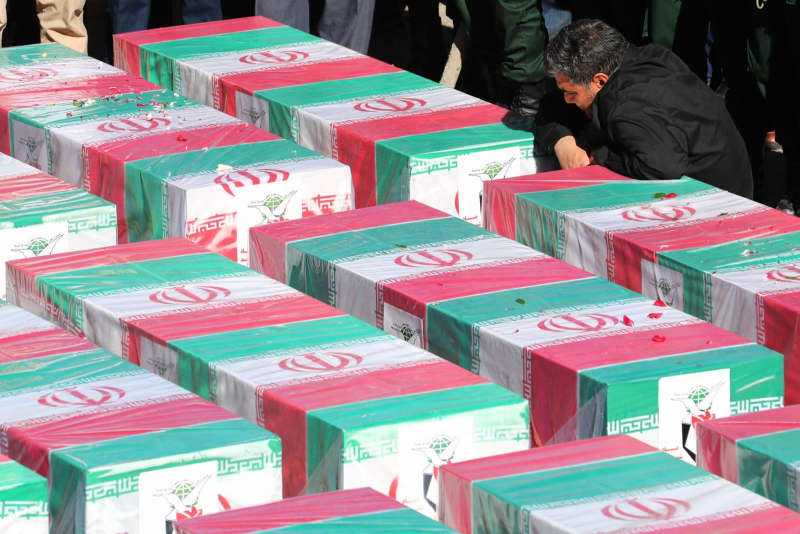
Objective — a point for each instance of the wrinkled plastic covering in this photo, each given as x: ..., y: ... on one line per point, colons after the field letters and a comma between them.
x: 118, y: 444
x: 213, y: 197
x: 353, y: 405
x: 23, y: 499
x: 611, y: 484
x: 760, y: 451
x: 592, y: 357
x: 41, y: 215
x: 45, y: 74
x: 24, y: 336
x: 202, y: 174
x: 359, y: 510
x: 404, y: 137
x: 717, y: 256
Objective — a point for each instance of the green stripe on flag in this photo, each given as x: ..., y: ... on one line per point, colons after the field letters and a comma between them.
x: 396, y: 158
x: 283, y: 100
x: 505, y: 502
x: 67, y: 113
x: 54, y: 207
x: 36, y: 54
x: 235, y: 445
x: 400, y: 521
x: 769, y: 464
x: 631, y: 389
x: 614, y: 194
x: 146, y: 180
x: 451, y: 323
x: 330, y: 429
x: 197, y: 354
x: 19, y: 486
x: 697, y: 265
x: 67, y: 290
x: 62, y: 370
x: 157, y: 60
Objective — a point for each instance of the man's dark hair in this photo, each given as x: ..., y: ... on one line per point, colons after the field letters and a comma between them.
x: 584, y: 48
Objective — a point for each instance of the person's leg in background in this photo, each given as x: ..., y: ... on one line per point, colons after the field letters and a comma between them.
x: 348, y: 23
x: 62, y: 22
x: 556, y: 15
x: 782, y: 88
x: 683, y: 27
x: 627, y: 16
x: 193, y: 11
x: 293, y: 13
x: 2, y: 19
x: 129, y: 15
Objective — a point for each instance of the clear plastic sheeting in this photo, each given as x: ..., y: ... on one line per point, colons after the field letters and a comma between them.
x: 592, y: 357
x: 214, y: 196
x: 23, y: 499
x: 24, y: 336
x: 720, y: 257
x: 612, y: 484
x: 176, y: 168
x: 44, y: 74
x: 403, y: 136
x: 126, y: 451
x: 760, y: 451
x: 359, y: 510
x: 41, y: 215
x: 353, y: 406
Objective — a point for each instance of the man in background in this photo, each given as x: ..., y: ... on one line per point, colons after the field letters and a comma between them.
x: 647, y: 115
x: 61, y: 22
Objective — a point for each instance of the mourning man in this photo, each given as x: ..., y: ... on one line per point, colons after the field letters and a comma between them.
x: 647, y: 115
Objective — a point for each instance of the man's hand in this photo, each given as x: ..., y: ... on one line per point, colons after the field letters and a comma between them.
x: 569, y: 154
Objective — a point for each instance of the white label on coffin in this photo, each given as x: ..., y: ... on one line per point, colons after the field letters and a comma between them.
x: 32, y: 242
x: 676, y: 211
x: 196, y: 73
x: 733, y: 297
x: 650, y: 509
x: 660, y: 282
x: 252, y: 110
x: 180, y: 492
x: 685, y: 400
x: 102, y: 314
x: 11, y: 168
x: 29, y: 145
x: 481, y: 166
x: 355, y: 280
x: 29, y: 77
x: 403, y: 325
x: 236, y: 381
x: 314, y: 122
x: 110, y: 394
x: 67, y: 142
x: 272, y: 192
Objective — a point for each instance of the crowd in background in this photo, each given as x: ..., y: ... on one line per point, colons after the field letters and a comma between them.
x: 746, y: 50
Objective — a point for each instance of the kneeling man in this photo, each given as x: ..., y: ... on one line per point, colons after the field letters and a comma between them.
x: 649, y: 116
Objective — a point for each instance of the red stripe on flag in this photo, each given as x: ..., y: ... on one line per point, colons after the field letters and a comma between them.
x: 356, y: 142
x: 42, y: 343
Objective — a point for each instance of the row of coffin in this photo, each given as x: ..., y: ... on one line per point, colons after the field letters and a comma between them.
x: 126, y: 450
x: 406, y: 310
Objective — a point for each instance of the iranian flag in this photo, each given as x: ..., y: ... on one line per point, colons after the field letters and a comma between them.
x: 404, y: 137
x: 42, y: 215
x: 125, y: 450
x: 759, y: 451
x: 592, y: 357
x: 362, y: 510
x: 353, y: 405
x: 603, y: 485
x: 23, y: 499
x: 715, y: 255
x: 45, y: 74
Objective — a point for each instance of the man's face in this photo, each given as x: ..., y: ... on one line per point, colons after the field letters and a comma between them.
x: 577, y: 94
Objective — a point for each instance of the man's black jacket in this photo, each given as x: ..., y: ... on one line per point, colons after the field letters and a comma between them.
x: 655, y: 120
